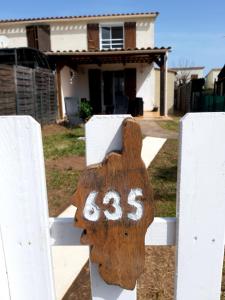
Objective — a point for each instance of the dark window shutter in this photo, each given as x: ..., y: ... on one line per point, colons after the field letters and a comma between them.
x: 32, y: 37
x: 95, y: 90
x: 44, y: 42
x: 93, y: 36
x: 130, y: 34
x: 130, y: 83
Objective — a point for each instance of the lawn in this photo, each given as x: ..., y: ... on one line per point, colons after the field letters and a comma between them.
x: 63, y: 143
x: 163, y: 177
x: 62, y: 150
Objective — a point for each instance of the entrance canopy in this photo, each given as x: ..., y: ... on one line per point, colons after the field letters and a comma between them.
x: 73, y: 59
x: 148, y: 55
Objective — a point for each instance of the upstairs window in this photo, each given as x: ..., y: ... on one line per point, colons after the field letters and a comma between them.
x: 112, y: 37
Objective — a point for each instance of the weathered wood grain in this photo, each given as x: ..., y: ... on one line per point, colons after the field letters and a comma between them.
x: 116, y: 231
x: 26, y: 91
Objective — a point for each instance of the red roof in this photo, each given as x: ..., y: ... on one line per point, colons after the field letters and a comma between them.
x: 154, y: 14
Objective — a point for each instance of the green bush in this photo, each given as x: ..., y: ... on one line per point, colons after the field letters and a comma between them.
x: 85, y: 110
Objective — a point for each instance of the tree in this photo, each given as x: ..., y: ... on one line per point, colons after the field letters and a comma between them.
x: 183, y: 70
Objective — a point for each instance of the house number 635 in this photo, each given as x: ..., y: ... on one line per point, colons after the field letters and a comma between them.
x: 92, y: 211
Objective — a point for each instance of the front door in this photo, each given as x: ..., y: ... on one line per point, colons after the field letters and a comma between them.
x: 114, y: 99
x: 114, y: 95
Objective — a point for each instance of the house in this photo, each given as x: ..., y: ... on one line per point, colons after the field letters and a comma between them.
x: 211, y: 77
x: 106, y: 59
x: 186, y: 74
x: 220, y: 83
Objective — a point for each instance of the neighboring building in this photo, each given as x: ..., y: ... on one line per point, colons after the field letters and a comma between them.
x: 220, y: 83
x: 186, y: 74
x: 107, y: 59
x: 211, y: 77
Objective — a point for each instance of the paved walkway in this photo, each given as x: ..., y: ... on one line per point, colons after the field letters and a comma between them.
x: 152, y: 128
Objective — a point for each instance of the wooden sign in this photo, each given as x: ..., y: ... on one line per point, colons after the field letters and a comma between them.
x: 114, y: 203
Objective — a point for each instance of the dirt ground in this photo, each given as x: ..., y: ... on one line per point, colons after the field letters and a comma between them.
x: 67, y: 163
x: 156, y: 283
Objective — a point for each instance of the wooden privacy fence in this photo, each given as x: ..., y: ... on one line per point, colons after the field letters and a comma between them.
x: 26, y: 91
x: 26, y: 232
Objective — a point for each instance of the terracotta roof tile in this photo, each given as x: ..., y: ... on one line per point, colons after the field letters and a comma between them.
x: 78, y: 17
x: 163, y: 49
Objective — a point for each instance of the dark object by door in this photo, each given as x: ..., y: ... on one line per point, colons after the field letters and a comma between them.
x: 95, y: 90
x: 139, y: 111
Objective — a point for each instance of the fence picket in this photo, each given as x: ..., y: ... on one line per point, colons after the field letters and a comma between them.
x: 103, y: 135
x: 201, y: 207
x: 4, y: 285
x: 23, y: 210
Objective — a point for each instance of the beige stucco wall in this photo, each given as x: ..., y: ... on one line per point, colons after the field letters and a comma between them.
x: 170, y: 90
x: 145, y: 33
x: 72, y: 35
x: 80, y: 85
x: 69, y: 36
x: 210, y: 78
x: 15, y: 34
x: 146, y: 85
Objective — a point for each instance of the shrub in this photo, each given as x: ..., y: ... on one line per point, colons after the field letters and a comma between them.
x: 85, y: 110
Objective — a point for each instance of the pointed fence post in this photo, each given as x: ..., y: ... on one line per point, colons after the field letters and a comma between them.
x: 201, y: 207
x: 25, y: 254
x: 103, y: 135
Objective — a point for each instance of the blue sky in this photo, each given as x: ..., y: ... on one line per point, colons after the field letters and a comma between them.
x: 194, y: 29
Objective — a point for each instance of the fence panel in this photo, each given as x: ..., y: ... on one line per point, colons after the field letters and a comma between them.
x: 201, y: 207
x: 24, y: 220
x: 7, y: 90
x: 26, y: 91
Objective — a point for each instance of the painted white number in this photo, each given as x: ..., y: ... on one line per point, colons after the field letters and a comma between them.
x: 132, y: 200
x: 91, y: 210
x: 117, y: 214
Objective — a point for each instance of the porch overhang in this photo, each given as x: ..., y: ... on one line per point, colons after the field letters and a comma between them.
x: 99, y: 57
x: 73, y: 59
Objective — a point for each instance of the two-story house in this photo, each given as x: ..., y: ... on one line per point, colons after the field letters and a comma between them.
x: 107, y: 59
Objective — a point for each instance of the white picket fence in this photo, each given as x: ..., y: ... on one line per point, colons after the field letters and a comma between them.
x: 26, y: 232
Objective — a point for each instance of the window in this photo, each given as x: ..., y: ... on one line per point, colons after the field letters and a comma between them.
x: 112, y: 37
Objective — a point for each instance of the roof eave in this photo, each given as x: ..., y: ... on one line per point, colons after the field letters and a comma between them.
x: 111, y: 52
x: 80, y: 18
